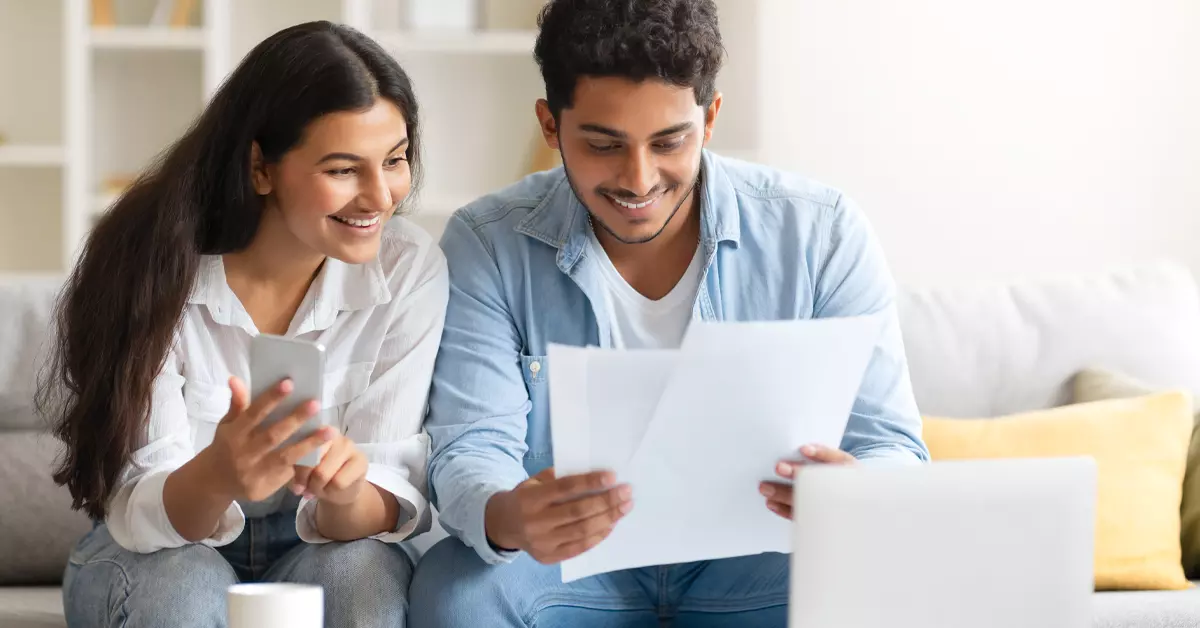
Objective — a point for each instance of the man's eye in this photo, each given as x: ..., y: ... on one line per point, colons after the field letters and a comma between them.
x: 603, y: 148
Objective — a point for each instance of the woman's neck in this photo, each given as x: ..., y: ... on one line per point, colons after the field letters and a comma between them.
x: 272, y: 275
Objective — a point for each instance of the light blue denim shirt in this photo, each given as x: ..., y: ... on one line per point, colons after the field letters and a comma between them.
x: 522, y: 276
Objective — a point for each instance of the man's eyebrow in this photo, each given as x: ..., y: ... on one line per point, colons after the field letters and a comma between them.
x: 603, y: 130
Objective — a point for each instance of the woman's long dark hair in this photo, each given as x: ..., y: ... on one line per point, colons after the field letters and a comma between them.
x: 119, y: 311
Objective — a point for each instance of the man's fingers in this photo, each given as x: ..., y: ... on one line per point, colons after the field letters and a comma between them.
x: 776, y: 492
x: 575, y: 548
x: 277, y: 433
x: 783, y: 510
x: 264, y: 403
x: 564, y: 489
x: 825, y: 455
x: 580, y: 509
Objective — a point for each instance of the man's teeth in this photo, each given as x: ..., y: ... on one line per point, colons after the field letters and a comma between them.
x: 355, y: 222
x: 633, y: 205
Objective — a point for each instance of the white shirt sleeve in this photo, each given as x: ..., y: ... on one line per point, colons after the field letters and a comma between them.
x: 385, y: 421
x: 137, y: 518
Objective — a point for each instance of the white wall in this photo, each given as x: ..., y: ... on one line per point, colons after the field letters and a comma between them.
x: 991, y: 139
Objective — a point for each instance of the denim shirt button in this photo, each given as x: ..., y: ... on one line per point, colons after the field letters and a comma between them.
x: 535, y: 367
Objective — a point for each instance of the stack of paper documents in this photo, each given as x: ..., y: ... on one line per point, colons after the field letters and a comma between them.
x: 695, y: 430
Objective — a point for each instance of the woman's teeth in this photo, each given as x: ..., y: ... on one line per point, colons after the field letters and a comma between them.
x: 632, y: 205
x: 355, y: 222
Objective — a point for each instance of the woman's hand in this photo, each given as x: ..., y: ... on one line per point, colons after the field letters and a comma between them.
x: 338, y: 478
x: 245, y: 457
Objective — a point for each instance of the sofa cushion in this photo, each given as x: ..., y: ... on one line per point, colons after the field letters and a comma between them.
x: 1140, y: 447
x: 986, y: 350
x: 37, y: 527
x: 26, y: 305
x: 22, y: 607
x: 1147, y: 609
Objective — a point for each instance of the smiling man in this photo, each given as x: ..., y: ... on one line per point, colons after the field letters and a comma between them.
x: 639, y: 233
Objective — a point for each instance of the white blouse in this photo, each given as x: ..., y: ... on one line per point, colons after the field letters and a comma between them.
x: 380, y: 322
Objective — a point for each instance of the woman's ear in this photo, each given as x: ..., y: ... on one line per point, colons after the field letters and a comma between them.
x: 258, y: 171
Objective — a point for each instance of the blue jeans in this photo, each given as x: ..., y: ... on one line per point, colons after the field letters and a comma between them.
x: 365, y: 581
x: 454, y: 588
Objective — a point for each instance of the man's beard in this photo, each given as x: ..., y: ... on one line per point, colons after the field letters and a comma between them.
x: 596, y: 220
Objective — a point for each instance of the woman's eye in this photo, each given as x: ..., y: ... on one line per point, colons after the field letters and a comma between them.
x: 394, y: 162
x: 341, y: 172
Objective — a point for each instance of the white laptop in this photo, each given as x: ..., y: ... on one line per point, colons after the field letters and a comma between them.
x: 973, y: 544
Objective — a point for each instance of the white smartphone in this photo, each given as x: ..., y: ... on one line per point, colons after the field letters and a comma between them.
x: 274, y: 358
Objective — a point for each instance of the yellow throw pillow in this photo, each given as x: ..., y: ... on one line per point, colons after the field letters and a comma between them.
x: 1098, y: 385
x: 1140, y: 446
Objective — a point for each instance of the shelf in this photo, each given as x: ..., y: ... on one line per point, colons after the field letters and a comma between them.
x: 476, y: 42
x: 147, y: 38
x: 30, y: 155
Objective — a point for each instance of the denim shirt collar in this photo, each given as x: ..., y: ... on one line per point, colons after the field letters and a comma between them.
x: 560, y: 220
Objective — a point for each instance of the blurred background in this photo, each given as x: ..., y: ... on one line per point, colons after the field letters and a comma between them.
x: 983, y: 139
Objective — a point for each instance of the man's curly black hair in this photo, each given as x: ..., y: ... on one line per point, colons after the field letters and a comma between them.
x: 677, y: 41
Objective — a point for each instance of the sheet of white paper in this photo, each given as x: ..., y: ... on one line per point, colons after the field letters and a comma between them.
x: 601, y: 403
x: 738, y: 398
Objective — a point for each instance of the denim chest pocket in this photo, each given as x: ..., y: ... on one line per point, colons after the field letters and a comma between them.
x: 207, y: 403
x: 535, y: 371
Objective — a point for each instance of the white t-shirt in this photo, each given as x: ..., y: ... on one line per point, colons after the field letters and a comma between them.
x: 641, y: 323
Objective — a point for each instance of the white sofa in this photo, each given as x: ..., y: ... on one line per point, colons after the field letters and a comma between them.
x: 975, y: 351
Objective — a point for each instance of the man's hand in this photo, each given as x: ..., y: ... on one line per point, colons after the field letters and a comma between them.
x: 553, y: 519
x: 779, y: 496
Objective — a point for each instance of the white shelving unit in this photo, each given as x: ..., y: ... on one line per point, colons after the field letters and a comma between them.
x: 99, y: 103
x: 31, y: 156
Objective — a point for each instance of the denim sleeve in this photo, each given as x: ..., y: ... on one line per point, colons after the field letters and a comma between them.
x: 478, y: 403
x: 853, y: 279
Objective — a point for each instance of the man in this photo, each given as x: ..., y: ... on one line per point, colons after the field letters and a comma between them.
x: 641, y: 232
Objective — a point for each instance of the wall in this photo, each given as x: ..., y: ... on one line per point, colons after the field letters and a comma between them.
x: 992, y: 139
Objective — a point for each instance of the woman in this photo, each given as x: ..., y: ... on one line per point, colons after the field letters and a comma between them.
x: 268, y: 216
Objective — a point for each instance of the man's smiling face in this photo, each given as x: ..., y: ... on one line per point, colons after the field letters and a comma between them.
x: 632, y: 152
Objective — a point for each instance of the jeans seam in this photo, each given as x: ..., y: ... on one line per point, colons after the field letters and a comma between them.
x: 735, y: 605
x: 122, y: 612
x: 600, y: 603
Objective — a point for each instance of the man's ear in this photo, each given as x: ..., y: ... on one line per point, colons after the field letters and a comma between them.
x: 258, y: 171
x: 547, y: 123
x: 710, y: 117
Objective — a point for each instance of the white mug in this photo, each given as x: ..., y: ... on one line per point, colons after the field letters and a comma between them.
x: 276, y: 605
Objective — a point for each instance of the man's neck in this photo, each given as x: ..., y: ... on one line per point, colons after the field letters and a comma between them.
x: 653, y: 268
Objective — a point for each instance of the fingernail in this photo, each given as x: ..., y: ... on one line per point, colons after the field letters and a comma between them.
x: 626, y: 507
x: 625, y: 492
x: 311, y: 407
x: 327, y: 434
x: 767, y: 490
x: 285, y: 386
x: 808, y: 450
x: 784, y: 469
x: 608, y: 479
x: 308, y: 496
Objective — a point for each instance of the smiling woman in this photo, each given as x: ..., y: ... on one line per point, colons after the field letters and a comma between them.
x: 271, y: 215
